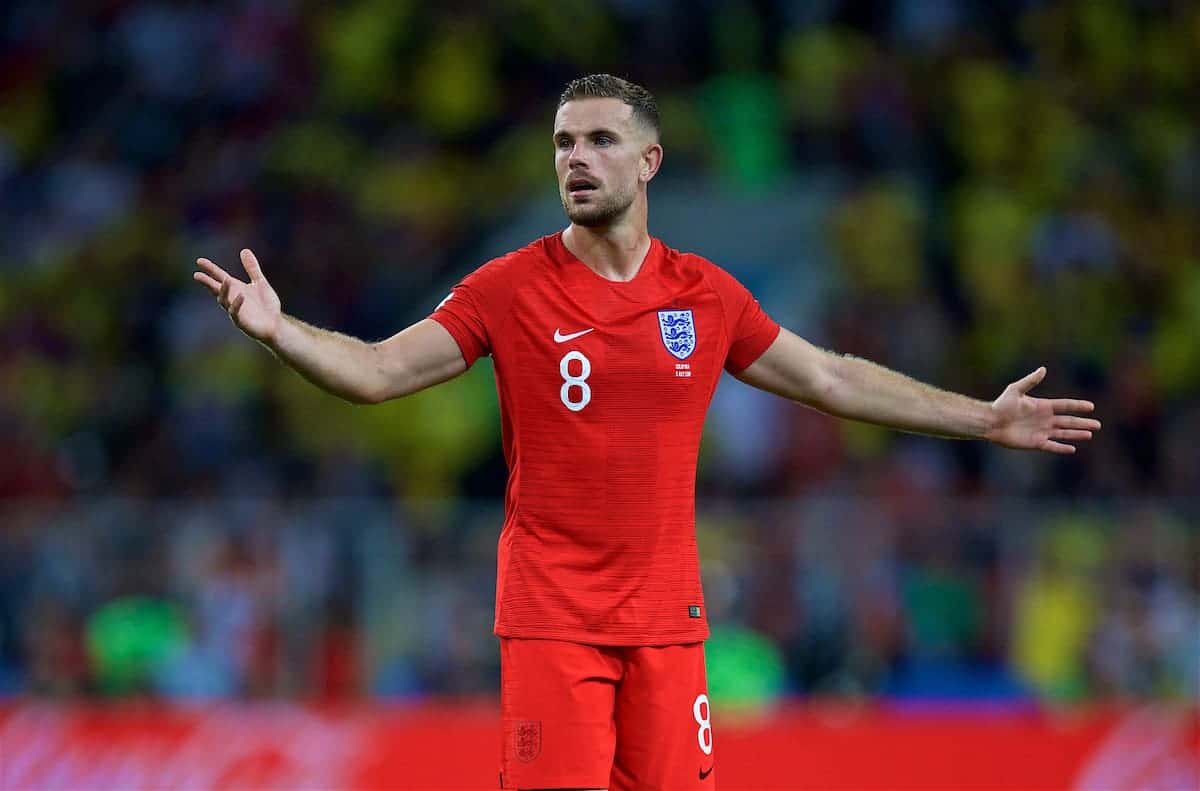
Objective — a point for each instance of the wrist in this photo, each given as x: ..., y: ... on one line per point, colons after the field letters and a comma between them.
x: 989, y: 421
x: 277, y: 339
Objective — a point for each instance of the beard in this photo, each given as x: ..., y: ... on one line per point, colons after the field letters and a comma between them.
x: 595, y: 214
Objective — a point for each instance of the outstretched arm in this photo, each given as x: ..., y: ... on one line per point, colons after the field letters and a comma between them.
x: 858, y: 389
x: 365, y: 373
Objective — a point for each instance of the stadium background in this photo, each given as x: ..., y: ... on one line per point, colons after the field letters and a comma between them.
x: 959, y: 190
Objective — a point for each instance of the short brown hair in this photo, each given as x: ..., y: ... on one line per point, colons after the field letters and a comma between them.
x: 606, y: 86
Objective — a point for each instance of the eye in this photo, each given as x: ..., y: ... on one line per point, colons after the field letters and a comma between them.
x: 603, y: 140
x: 564, y: 143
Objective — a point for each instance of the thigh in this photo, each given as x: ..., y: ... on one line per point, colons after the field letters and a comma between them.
x: 556, y: 704
x: 664, y: 722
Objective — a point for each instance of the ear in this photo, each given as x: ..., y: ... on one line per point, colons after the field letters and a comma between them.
x: 652, y: 157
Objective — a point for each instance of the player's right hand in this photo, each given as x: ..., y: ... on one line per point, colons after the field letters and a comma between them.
x: 254, y: 307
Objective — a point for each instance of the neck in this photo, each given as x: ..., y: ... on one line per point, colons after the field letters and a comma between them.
x: 616, y: 251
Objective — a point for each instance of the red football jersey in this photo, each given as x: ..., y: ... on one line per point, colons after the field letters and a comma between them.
x: 603, y: 390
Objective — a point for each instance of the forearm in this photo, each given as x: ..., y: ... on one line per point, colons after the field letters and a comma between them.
x: 861, y: 390
x: 344, y: 366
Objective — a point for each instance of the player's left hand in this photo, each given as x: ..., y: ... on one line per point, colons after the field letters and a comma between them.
x: 1025, y: 422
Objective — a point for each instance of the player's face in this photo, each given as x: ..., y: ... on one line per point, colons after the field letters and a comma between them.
x: 598, y: 152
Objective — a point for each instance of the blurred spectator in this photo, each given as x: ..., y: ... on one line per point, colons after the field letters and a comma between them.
x: 1056, y: 612
x: 129, y: 639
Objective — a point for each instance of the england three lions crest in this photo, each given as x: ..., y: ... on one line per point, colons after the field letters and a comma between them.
x: 678, y: 330
x: 527, y: 740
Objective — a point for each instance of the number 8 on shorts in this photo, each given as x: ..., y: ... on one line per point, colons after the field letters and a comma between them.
x: 703, y: 713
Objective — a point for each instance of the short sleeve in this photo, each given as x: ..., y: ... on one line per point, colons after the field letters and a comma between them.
x: 474, y: 310
x: 751, y: 330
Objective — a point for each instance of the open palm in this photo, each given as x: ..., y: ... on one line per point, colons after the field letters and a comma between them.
x: 1025, y: 422
x: 254, y: 307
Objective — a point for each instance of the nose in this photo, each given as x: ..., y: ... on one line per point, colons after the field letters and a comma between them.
x: 576, y: 158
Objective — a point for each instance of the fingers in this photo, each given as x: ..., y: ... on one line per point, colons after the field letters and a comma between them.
x: 211, y: 276
x: 1058, y: 447
x: 250, y: 264
x: 220, y: 284
x: 213, y: 286
x: 1070, y: 421
x: 1063, y: 405
x: 1071, y: 434
x: 1032, y: 380
x: 212, y: 270
x: 1052, y: 444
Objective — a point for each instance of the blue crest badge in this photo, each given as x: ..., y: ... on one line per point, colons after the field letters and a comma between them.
x: 678, y: 329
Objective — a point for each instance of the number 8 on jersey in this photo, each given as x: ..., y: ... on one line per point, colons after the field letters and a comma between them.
x: 569, y: 381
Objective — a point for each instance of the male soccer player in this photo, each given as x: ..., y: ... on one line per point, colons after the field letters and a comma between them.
x: 607, y: 347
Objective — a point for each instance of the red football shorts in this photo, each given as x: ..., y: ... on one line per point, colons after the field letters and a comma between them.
x: 584, y: 716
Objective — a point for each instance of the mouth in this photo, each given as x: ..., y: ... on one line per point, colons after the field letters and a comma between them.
x: 578, y: 186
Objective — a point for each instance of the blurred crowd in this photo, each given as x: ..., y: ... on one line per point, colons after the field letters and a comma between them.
x: 1013, y: 184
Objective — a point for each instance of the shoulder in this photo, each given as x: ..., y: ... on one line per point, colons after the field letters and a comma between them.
x: 506, y: 272
x: 693, y: 266
x: 526, y: 258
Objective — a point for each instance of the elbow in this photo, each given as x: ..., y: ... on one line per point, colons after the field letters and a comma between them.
x: 382, y: 389
x: 365, y: 398
x: 379, y: 385
x: 360, y: 395
x: 827, y: 385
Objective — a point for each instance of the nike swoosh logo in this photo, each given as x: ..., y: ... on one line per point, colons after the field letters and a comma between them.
x: 560, y: 338
x: 706, y: 773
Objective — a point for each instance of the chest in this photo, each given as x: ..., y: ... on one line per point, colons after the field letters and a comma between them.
x: 602, y: 354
